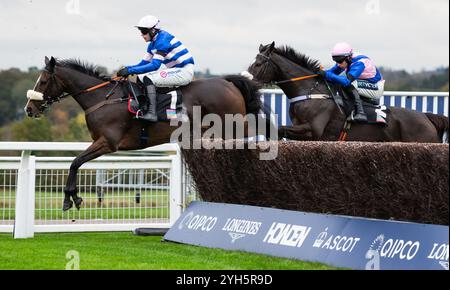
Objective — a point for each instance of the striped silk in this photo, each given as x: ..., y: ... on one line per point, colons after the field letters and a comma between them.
x: 165, y: 50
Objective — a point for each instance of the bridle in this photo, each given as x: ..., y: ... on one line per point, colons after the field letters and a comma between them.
x: 51, y: 100
x: 297, y: 79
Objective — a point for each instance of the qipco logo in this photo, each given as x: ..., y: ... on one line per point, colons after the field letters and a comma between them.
x: 393, y: 249
x: 403, y: 250
x: 201, y: 223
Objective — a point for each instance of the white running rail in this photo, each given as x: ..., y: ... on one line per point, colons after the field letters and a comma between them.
x: 120, y: 193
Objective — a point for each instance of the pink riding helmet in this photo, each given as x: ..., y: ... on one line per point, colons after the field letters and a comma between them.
x: 342, y: 49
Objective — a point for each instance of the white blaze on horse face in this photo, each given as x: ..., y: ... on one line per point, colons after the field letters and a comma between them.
x: 37, y: 82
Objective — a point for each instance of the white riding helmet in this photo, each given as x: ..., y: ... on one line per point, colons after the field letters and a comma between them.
x: 149, y: 21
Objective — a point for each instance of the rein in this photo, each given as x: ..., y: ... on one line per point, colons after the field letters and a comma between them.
x: 308, y: 96
x: 92, y: 89
x: 107, y: 101
x: 89, y: 90
x: 297, y: 79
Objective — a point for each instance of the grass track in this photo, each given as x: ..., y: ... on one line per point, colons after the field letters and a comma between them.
x: 125, y: 251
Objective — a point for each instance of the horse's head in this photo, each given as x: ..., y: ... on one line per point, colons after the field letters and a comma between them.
x: 263, y: 69
x: 46, y: 91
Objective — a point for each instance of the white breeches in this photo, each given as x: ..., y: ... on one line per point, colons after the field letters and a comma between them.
x: 171, y: 77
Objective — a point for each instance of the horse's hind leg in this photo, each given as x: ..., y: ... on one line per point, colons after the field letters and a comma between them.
x: 97, y: 149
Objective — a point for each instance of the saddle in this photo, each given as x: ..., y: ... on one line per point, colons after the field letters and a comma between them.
x: 376, y: 114
x: 169, y: 101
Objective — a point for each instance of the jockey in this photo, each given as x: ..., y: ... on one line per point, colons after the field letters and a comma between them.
x: 362, y: 77
x: 167, y: 63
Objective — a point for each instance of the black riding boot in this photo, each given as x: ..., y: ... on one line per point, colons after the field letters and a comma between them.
x: 360, y: 115
x: 151, y: 115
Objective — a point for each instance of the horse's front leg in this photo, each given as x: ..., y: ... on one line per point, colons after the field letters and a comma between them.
x: 97, y: 149
x: 297, y: 132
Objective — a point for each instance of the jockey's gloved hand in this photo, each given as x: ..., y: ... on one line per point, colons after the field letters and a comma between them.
x: 322, y: 73
x: 123, y: 72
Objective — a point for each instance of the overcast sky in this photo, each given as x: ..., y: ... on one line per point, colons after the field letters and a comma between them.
x: 225, y: 35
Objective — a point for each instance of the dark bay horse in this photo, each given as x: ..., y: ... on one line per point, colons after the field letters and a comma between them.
x: 112, y: 127
x: 320, y: 119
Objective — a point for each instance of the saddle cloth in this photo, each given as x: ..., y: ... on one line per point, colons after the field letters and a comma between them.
x: 169, y: 102
x: 376, y: 115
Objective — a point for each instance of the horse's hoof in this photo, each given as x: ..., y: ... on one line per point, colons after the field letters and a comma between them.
x: 78, y: 202
x: 68, y: 204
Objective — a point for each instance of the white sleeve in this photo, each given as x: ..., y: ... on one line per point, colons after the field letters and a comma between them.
x: 148, y: 57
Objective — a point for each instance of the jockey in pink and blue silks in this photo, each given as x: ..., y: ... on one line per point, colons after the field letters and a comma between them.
x: 167, y: 62
x: 361, y: 77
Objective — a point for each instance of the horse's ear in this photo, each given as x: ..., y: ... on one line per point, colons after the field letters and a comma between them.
x: 261, y: 48
x: 272, y: 46
x: 50, y: 64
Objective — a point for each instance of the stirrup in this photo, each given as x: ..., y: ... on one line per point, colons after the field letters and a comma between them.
x: 139, y: 114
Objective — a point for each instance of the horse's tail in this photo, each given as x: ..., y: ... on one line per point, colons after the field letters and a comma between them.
x: 441, y: 124
x: 250, y: 90
x: 252, y: 96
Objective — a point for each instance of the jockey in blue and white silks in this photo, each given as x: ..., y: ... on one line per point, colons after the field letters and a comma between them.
x: 361, y: 77
x: 167, y: 62
x: 361, y: 68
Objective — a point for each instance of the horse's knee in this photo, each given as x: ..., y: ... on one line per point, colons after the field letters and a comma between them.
x: 74, y: 167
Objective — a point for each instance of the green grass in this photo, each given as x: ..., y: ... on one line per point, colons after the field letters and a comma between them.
x: 125, y: 251
x: 119, y: 205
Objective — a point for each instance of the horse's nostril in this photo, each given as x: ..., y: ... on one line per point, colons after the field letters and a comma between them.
x: 29, y: 112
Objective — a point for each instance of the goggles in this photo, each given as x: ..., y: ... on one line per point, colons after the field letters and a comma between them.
x: 144, y: 31
x: 340, y: 59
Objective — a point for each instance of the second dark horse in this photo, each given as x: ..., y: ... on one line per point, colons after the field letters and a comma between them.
x: 321, y: 119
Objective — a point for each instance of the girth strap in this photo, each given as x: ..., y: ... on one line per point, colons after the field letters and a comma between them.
x: 308, y: 97
x: 104, y: 103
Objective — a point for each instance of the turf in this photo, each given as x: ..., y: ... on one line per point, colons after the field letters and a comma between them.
x: 125, y: 251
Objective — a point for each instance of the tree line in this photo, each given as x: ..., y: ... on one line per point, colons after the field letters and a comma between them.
x: 65, y: 121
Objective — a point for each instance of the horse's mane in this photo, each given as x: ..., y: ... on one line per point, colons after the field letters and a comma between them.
x: 299, y: 58
x: 83, y: 67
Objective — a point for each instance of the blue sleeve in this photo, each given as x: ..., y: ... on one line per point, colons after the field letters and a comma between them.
x: 143, y: 62
x: 336, y: 70
x: 162, y: 46
x: 356, y: 69
x: 343, y: 80
x: 154, y: 65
